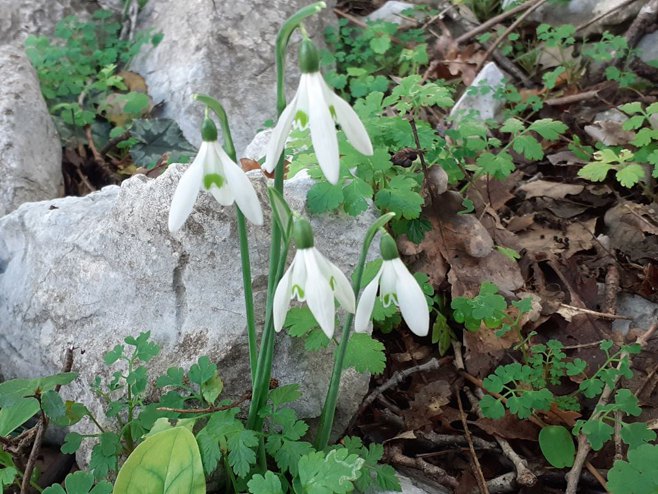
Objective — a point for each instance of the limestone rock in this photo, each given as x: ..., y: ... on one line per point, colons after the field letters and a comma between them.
x: 223, y: 49
x: 482, y: 105
x: 648, y: 48
x: 30, y: 151
x: 391, y: 11
x: 20, y: 18
x: 578, y: 12
x: 91, y: 270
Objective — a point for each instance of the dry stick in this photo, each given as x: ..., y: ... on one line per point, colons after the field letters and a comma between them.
x: 396, y: 456
x: 41, y: 428
x: 397, y: 378
x: 647, y: 14
x: 604, y: 14
x: 572, y: 98
x: 504, y: 483
x: 242, y: 399
x: 495, y: 20
x: 507, y: 32
x: 482, y: 482
x: 601, y: 315
x: 450, y: 440
x: 524, y: 476
x: 573, y: 476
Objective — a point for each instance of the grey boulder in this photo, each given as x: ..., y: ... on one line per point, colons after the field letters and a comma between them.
x: 88, y: 271
x: 223, y: 49
x: 30, y: 150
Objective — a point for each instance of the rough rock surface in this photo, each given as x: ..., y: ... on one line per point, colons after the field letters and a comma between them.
x: 578, y: 12
x: 224, y: 49
x: 481, y: 105
x: 30, y: 150
x: 648, y: 47
x: 20, y: 18
x: 91, y: 270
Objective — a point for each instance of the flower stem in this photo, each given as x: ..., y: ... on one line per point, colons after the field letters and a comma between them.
x: 329, y: 408
x: 229, y: 147
x: 277, y: 257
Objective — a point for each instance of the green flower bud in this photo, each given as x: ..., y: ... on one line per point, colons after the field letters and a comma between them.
x: 303, y: 234
x: 309, y: 59
x: 388, y: 248
x: 208, y: 130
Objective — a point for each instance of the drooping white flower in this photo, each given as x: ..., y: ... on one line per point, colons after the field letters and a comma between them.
x: 213, y: 171
x: 316, y: 105
x: 398, y: 286
x: 311, y: 278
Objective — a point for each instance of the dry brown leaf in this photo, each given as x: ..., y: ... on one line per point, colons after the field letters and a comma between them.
x: 554, y: 190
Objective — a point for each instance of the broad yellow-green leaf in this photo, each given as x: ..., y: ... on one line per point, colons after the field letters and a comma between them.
x: 168, y: 462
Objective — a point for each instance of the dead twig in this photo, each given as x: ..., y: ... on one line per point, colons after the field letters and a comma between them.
x: 495, y: 20
x: 397, y: 378
x: 573, y: 476
x: 507, y: 32
x: 475, y: 462
x: 242, y: 399
x: 397, y: 457
x: 589, y: 312
x: 524, y: 476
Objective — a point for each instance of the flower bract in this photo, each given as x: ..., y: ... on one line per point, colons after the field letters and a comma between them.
x: 213, y: 171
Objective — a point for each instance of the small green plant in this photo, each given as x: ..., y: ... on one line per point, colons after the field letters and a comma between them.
x: 364, y: 58
x: 490, y: 309
x: 525, y: 389
x: 631, y: 166
x: 79, y: 73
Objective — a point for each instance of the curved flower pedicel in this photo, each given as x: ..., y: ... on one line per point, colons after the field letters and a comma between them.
x: 396, y: 285
x: 315, y: 105
x: 213, y: 171
x: 311, y: 278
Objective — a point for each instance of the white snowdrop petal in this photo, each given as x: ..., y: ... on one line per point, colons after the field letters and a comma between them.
x: 366, y: 304
x: 411, y: 299
x: 351, y: 124
x: 319, y: 296
x: 279, y: 136
x: 323, y: 129
x: 388, y: 281
x: 342, y: 288
x: 282, y: 296
x: 243, y: 190
x: 186, y: 193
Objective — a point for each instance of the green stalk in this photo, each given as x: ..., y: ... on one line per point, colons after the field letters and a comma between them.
x: 265, y: 356
x: 329, y: 408
x: 229, y: 147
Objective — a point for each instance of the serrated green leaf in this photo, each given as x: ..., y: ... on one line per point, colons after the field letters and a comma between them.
x: 549, y: 129
x: 242, y: 454
x: 491, y: 407
x: 636, y: 434
x: 267, y: 484
x: 331, y: 474
x: 365, y: 354
x: 400, y: 197
x: 512, y: 126
x: 638, y: 475
x: 630, y: 175
x: 631, y: 108
x: 72, y: 443
x: 284, y: 394
x: 323, y: 197
x: 528, y: 147
x: 355, y: 194
x: 595, y: 172
x: 202, y: 371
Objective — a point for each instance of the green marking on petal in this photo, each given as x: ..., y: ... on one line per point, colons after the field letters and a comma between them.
x: 389, y: 298
x: 301, y: 118
x: 332, y: 110
x: 212, y: 179
x: 298, y: 291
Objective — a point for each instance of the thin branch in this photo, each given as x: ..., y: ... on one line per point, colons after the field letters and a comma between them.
x: 479, y: 475
x: 507, y: 32
x: 495, y: 20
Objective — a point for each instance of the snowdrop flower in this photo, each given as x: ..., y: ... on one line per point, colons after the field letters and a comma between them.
x: 316, y: 105
x: 311, y: 278
x: 396, y: 285
x: 213, y: 171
